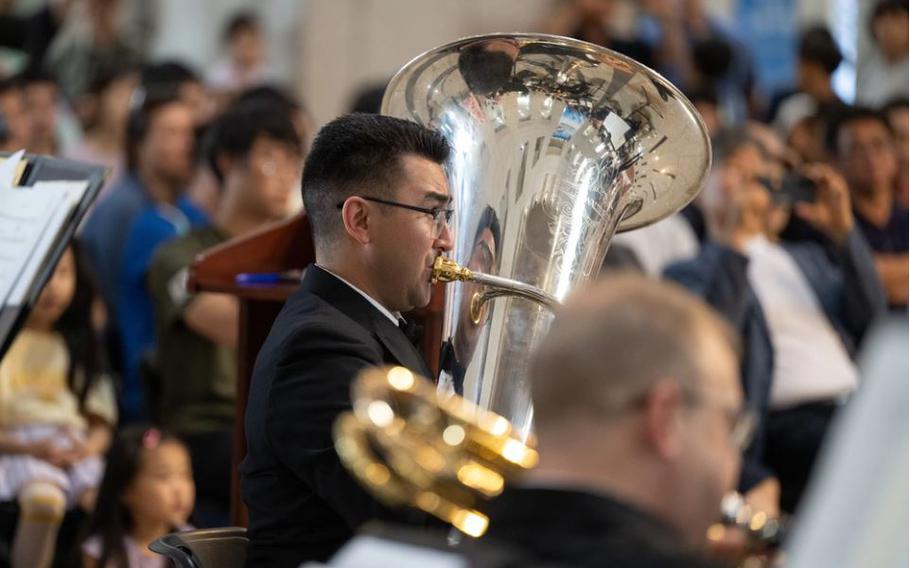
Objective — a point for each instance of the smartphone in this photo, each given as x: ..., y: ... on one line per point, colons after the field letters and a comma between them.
x: 795, y: 188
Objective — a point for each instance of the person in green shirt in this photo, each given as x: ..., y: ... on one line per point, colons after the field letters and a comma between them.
x: 256, y: 156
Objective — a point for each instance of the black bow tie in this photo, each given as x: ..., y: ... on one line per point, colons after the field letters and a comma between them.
x: 411, y: 329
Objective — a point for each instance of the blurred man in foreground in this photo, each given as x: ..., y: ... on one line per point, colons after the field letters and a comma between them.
x: 640, y: 423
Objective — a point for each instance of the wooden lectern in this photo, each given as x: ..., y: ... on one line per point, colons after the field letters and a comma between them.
x: 287, y: 245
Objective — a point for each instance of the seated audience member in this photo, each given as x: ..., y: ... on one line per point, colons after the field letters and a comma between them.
x: 897, y: 113
x: 867, y: 156
x: 245, y: 64
x: 104, y: 110
x: 41, y: 99
x: 818, y: 56
x: 884, y: 75
x: 174, y: 79
x: 653, y: 372
x: 97, y: 35
x: 158, y: 146
x: 255, y: 154
x: 147, y: 492
x: 156, y: 224
x: 57, y: 409
x: 17, y: 121
x: 801, y: 308
x: 281, y: 100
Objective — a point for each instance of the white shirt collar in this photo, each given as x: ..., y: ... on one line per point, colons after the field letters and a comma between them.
x: 393, y: 317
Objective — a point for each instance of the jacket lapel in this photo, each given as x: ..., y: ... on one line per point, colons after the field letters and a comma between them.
x: 351, y: 303
x: 400, y: 347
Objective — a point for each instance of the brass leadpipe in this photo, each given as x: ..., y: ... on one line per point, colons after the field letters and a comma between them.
x: 447, y: 270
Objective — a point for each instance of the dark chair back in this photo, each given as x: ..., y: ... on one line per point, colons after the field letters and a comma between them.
x: 223, y: 547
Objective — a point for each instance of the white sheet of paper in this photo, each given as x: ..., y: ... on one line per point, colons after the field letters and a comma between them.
x: 30, y: 222
x: 8, y: 168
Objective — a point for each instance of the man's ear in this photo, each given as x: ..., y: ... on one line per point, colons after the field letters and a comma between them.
x: 663, y: 418
x: 355, y: 214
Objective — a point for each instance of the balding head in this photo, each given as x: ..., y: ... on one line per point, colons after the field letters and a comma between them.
x: 636, y: 393
x: 610, y: 343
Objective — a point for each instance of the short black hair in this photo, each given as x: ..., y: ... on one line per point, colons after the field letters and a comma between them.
x: 106, y: 75
x: 888, y: 7
x: 730, y: 141
x: 268, y: 95
x: 706, y: 93
x: 164, y: 79
x: 360, y: 153
x: 713, y: 57
x: 816, y: 44
x: 368, y: 99
x: 243, y: 21
x: 851, y: 115
x: 10, y: 84
x: 896, y: 103
x: 139, y: 121
x: 234, y: 133
x: 35, y: 74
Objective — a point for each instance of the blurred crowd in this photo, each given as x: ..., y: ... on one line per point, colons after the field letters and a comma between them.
x: 799, y: 240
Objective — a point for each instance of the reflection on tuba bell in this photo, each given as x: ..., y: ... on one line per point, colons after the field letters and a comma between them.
x: 444, y: 456
x: 557, y: 144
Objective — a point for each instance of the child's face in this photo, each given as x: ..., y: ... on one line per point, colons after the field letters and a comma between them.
x: 57, y: 293
x: 163, y: 491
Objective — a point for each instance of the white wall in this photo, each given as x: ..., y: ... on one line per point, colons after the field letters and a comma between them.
x: 190, y: 30
x: 346, y: 44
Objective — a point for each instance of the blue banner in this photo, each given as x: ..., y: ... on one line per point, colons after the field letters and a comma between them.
x: 768, y: 29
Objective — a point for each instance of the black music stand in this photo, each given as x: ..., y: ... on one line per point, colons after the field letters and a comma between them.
x: 46, y: 168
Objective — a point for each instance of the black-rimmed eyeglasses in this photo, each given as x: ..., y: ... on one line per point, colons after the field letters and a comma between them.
x: 441, y: 216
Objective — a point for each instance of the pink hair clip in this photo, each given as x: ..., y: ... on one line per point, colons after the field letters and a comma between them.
x: 151, y: 438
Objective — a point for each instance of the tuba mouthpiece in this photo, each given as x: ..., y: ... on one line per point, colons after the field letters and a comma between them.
x: 447, y: 270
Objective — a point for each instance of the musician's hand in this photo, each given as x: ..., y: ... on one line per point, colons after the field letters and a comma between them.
x: 730, y: 545
x: 765, y: 497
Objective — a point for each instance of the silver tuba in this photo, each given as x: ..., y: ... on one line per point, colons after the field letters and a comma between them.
x: 557, y: 144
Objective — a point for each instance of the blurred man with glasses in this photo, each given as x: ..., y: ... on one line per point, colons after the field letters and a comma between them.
x: 640, y: 423
x: 378, y: 203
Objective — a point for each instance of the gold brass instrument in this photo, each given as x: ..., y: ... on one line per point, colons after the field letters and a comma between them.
x: 444, y: 456
x: 447, y: 270
x: 762, y: 531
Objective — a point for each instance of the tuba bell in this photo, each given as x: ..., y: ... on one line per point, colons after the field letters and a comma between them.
x: 557, y: 144
x: 407, y: 446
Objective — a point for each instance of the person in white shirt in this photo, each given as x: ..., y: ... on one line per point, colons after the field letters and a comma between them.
x: 802, y: 307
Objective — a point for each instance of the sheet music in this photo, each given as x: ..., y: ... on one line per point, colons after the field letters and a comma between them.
x: 11, y: 168
x: 30, y: 222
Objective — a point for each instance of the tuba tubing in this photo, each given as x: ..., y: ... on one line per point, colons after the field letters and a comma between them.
x: 446, y: 270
